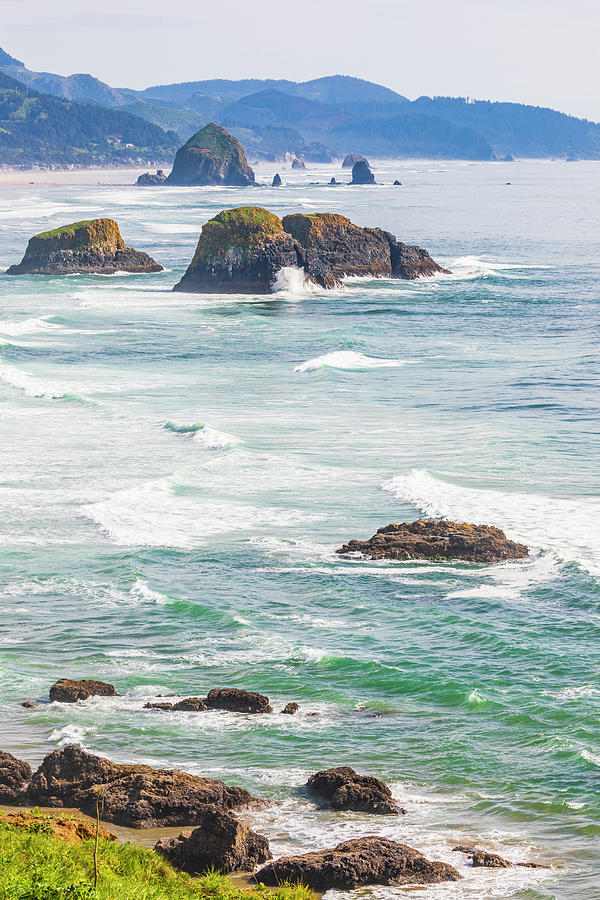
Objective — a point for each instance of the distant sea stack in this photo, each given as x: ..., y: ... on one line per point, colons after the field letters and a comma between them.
x: 94, y: 247
x: 242, y: 251
x: 298, y: 163
x: 276, y: 180
x: 351, y: 159
x: 149, y: 179
x: 361, y: 173
x: 211, y: 156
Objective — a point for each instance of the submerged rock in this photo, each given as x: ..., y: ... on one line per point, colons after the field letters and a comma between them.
x: 344, y: 789
x: 485, y: 859
x: 134, y: 795
x: 290, y: 709
x: 219, y: 842
x: 148, y: 179
x: 67, y: 690
x: 361, y: 173
x: 367, y: 860
x: 165, y: 707
x: 438, y: 539
x: 190, y: 704
x: 15, y: 775
x: 83, y: 248
x: 351, y: 159
x: 211, y: 156
x: 237, y: 700
x: 276, y: 180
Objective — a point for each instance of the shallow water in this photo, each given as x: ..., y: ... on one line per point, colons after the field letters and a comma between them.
x: 177, y: 471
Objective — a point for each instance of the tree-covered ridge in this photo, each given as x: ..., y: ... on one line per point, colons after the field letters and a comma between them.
x: 36, y: 129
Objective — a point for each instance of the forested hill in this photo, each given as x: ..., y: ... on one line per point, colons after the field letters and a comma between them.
x: 37, y: 129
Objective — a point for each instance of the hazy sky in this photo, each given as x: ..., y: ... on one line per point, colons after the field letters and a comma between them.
x: 544, y: 52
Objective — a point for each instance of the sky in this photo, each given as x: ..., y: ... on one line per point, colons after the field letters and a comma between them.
x: 544, y: 52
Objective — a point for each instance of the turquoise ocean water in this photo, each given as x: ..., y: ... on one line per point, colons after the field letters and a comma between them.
x: 176, y: 472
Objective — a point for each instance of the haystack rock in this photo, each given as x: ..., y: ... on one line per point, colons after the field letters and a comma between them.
x: 134, y: 795
x: 367, y: 860
x: 276, y: 180
x: 67, y: 690
x: 211, y: 156
x: 219, y: 842
x: 83, y: 248
x: 149, y: 179
x: 361, y: 173
x: 351, y: 159
x: 438, y: 539
x: 345, y: 789
x: 15, y: 775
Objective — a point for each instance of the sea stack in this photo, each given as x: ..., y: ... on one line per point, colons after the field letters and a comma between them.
x: 351, y: 159
x: 298, y: 163
x: 211, y: 156
x: 361, y: 173
x: 94, y: 247
x: 149, y: 179
x: 276, y: 180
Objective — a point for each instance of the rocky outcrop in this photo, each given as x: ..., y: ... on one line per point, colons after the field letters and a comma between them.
x: 438, y: 539
x: 15, y: 775
x: 367, y: 860
x: 190, y: 704
x: 149, y: 179
x: 344, y: 789
x: 276, y: 180
x: 333, y: 181
x: 290, y: 709
x: 361, y: 173
x: 219, y: 842
x: 163, y: 706
x: 397, y: 183
x: 298, y: 163
x: 242, y: 251
x: 237, y: 700
x: 84, y: 248
x: 134, y: 795
x: 351, y: 159
x: 211, y: 156
x: 66, y: 690
x: 68, y: 829
x: 487, y: 860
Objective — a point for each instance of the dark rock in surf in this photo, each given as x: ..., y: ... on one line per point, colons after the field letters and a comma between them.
x: 134, y: 795
x: 361, y: 173
x: 351, y: 159
x: 211, y: 156
x: 165, y: 707
x: 411, y: 262
x: 438, y: 539
x: 345, y: 789
x: 190, y: 704
x: 15, y: 775
x: 367, y: 860
x: 290, y: 709
x: 29, y: 704
x: 94, y: 247
x: 333, y: 181
x: 238, y: 700
x: 485, y: 859
x: 67, y: 690
x: 219, y: 842
x: 276, y: 180
x: 149, y: 179
x: 397, y: 183
x: 298, y: 163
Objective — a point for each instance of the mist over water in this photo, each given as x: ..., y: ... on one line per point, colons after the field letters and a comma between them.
x: 177, y: 471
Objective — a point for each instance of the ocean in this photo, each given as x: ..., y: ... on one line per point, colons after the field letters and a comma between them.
x: 177, y: 471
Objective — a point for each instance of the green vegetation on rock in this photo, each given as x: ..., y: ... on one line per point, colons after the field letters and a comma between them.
x: 236, y: 230
x: 91, y: 233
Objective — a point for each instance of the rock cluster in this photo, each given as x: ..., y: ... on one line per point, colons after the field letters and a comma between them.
x: 242, y: 251
x: 438, y: 539
x: 211, y: 156
x: 83, y: 248
x: 219, y: 842
x: 361, y: 173
x: 344, y: 789
x: 67, y: 690
x: 367, y: 860
x: 149, y: 179
x: 232, y: 699
x: 15, y: 775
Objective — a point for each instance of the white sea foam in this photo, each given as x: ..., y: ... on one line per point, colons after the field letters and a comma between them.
x: 208, y: 437
x: 569, y: 527
x: 33, y: 386
x: 141, y: 590
x: 26, y: 326
x: 348, y: 360
x: 291, y: 281
x: 467, y: 268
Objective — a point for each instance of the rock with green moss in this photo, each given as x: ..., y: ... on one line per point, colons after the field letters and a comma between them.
x: 83, y: 248
x: 211, y: 156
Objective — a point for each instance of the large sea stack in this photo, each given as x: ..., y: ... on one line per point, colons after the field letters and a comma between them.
x: 242, y: 251
x: 94, y: 247
x: 211, y: 156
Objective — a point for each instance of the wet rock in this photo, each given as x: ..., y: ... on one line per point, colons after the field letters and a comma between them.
x: 92, y: 247
x: 367, y: 860
x: 276, y: 180
x: 333, y: 181
x: 351, y: 159
x: 485, y: 859
x: 345, y: 789
x: 237, y: 700
x: 361, y: 173
x: 298, y: 163
x: 410, y: 262
x: 165, y: 707
x: 71, y: 830
x: 15, y: 775
x: 211, y: 156
x: 219, y: 842
x: 438, y: 539
x: 67, y: 690
x: 190, y: 704
x: 149, y: 179
x: 397, y: 183
x: 29, y: 704
x: 290, y: 709
x: 134, y: 795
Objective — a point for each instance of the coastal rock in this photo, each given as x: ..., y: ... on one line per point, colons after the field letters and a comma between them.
x: 290, y: 709
x: 345, y: 789
x: 410, y: 262
x: 211, y: 156
x: 165, y: 707
x: 333, y: 181
x: 397, y: 183
x: 367, y: 860
x: 438, y: 539
x: 276, y: 180
x: 219, y: 842
x: 149, y: 179
x: 67, y: 690
x: 134, y: 795
x: 240, y: 251
x: 15, y: 775
x: 83, y: 248
x: 485, y: 859
x: 361, y: 173
x: 68, y: 829
x: 190, y: 704
x: 351, y: 159
x: 237, y: 700
x: 298, y: 163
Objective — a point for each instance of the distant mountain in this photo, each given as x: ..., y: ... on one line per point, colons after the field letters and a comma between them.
x: 275, y: 108
x: 37, y: 129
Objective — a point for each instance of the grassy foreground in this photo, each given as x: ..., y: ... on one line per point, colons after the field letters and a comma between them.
x: 36, y: 865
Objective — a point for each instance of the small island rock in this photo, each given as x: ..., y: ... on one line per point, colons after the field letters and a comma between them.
x: 361, y: 173
x: 351, y: 159
x: 276, y: 180
x: 148, y: 179
x: 211, y: 156
x: 237, y: 700
x: 15, y: 775
x: 83, y: 248
x: 397, y: 183
x: 298, y: 163
x: 438, y: 539
x: 290, y: 709
x: 67, y: 690
x: 345, y: 789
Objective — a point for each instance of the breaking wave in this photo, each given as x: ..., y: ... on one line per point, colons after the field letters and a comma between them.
x: 348, y: 360
x: 208, y: 437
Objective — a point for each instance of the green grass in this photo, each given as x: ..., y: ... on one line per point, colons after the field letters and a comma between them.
x: 64, y: 229
x: 34, y: 865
